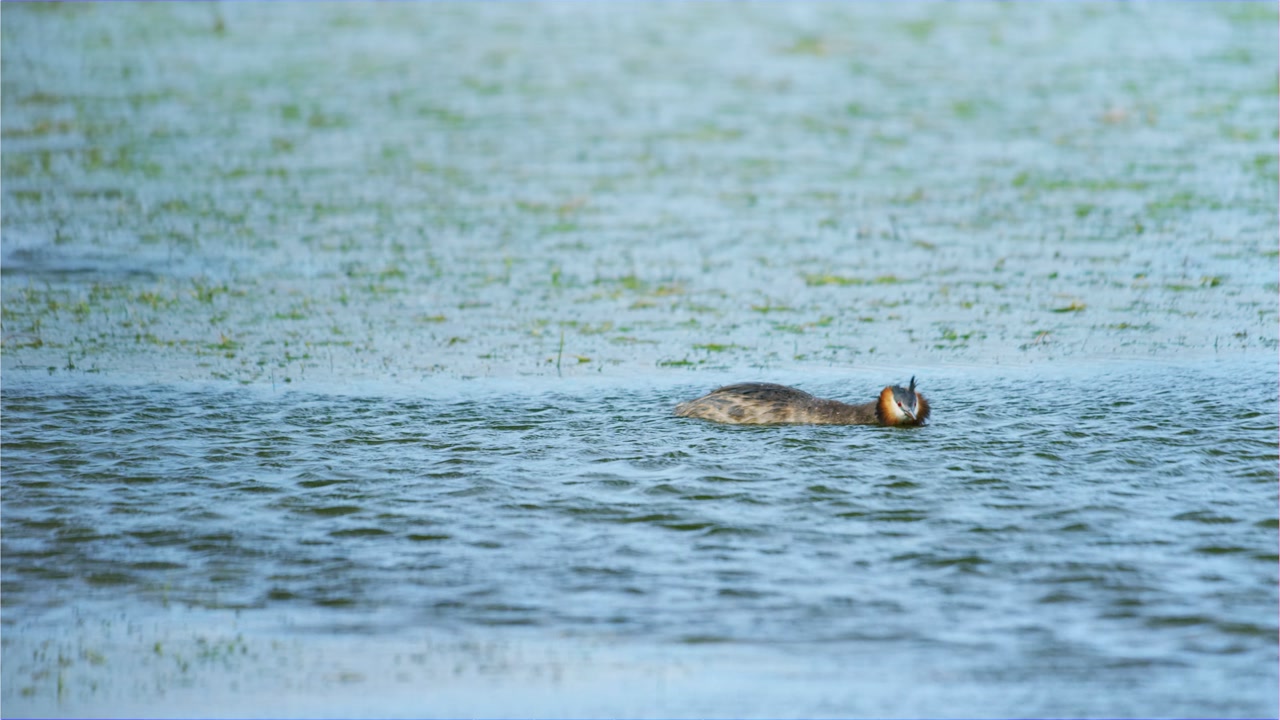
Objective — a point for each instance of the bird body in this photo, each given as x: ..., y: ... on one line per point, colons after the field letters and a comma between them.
x: 768, y: 404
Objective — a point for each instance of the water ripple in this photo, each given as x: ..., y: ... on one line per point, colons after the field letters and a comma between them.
x: 1038, y: 526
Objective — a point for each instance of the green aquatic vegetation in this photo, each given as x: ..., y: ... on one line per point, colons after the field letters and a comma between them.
x: 560, y: 228
x: 1240, y: 134
x: 1038, y: 337
x: 33, y: 196
x: 698, y: 308
x: 544, y: 208
x: 392, y: 272
x: 627, y: 282
x: 176, y: 206
x: 22, y: 340
x: 1263, y: 165
x: 1206, y: 281
x: 1130, y: 326
x: 808, y: 45
x: 121, y: 160
x: 385, y: 289
x: 883, y: 139
x: 483, y: 87
x: 718, y: 347
x: 41, y: 128
x: 155, y: 300
x: 631, y: 340
x: 821, y: 279
x: 321, y: 120
x: 224, y: 343
x: 587, y: 328
x: 148, y: 338
x: 952, y: 335
x: 968, y: 108
x: 449, y: 174
x: 19, y: 166
x: 770, y: 307
x: 1026, y: 179
x: 223, y: 649
x: 207, y: 293
x: 442, y: 116
x: 919, y: 30
x: 912, y: 198
x: 709, y: 132
x: 425, y: 203
x: 856, y: 110
x: 882, y: 303
x: 1181, y: 201
x: 1244, y: 13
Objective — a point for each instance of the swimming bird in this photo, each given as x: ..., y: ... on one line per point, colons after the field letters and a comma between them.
x: 768, y: 404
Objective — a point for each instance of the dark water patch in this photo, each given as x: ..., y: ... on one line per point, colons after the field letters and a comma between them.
x: 1206, y: 517
x: 429, y: 537
x: 1249, y: 629
x: 157, y: 565
x: 334, y: 510
x: 359, y: 532
x: 1219, y: 549
x: 101, y: 579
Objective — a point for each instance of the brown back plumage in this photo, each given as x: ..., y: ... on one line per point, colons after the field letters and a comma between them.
x: 767, y: 403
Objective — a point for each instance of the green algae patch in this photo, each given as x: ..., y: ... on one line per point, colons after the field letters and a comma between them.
x: 822, y: 279
x: 1074, y: 306
x: 232, y: 218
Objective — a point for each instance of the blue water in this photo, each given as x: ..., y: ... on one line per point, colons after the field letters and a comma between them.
x: 339, y: 345
x: 1111, y: 530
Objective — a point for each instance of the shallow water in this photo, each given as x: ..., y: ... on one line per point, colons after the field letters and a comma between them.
x: 1109, y: 531
x: 340, y: 342
x: 262, y: 193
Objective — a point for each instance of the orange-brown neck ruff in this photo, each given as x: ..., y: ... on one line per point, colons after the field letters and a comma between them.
x: 922, y: 409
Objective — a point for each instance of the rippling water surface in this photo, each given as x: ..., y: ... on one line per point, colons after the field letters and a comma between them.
x: 339, y: 345
x: 1056, y: 535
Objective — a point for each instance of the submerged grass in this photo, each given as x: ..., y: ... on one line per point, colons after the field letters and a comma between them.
x: 147, y: 227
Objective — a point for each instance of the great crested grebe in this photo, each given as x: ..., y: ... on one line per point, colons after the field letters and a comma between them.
x: 768, y: 404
